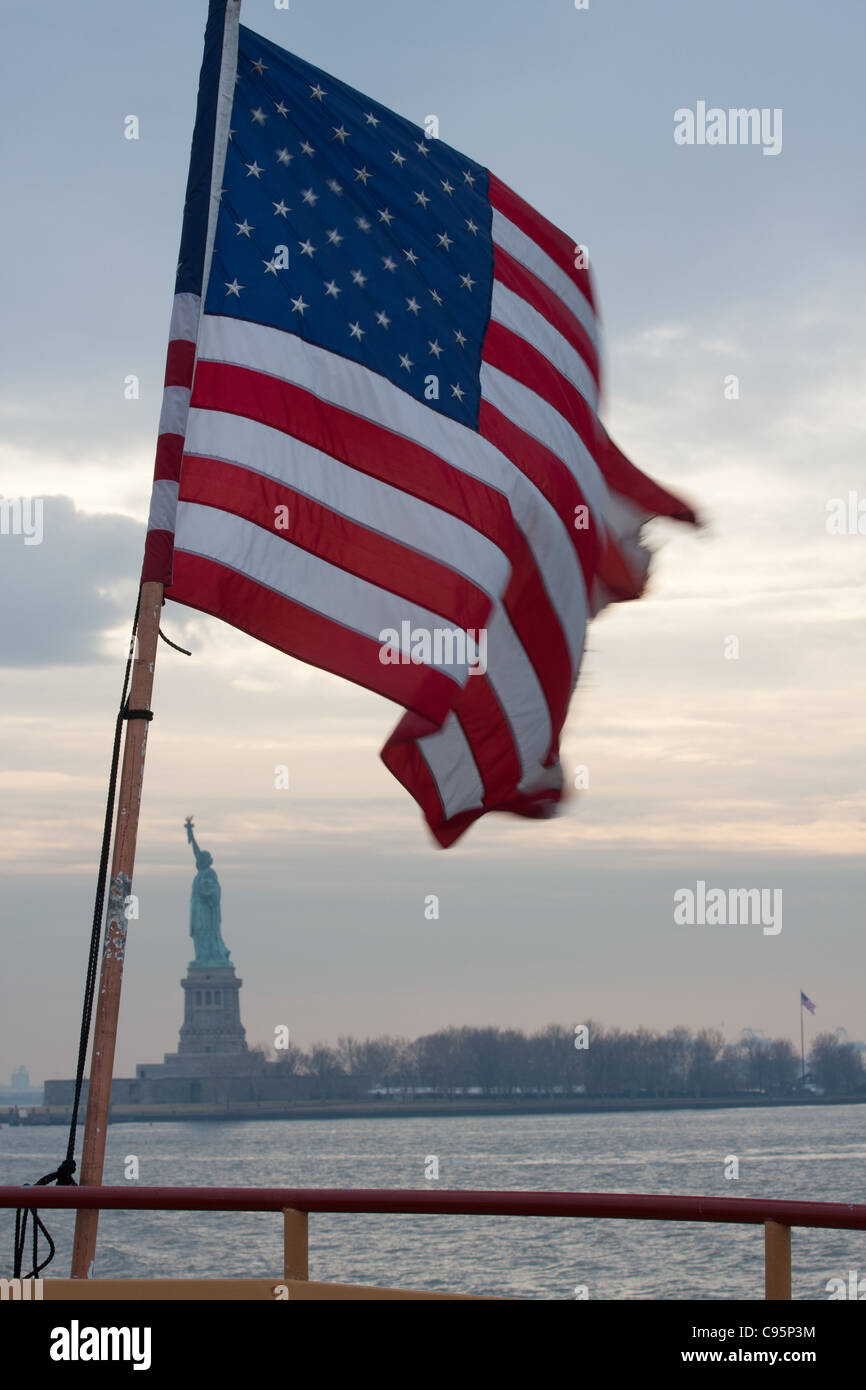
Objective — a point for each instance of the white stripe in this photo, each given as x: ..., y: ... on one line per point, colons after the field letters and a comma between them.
x: 517, y: 244
x: 222, y: 123
x: 323, y: 588
x: 527, y: 323
x: 163, y: 505
x: 387, y: 510
x: 452, y: 767
x: 175, y: 408
x: 517, y: 687
x: 372, y: 397
x: 532, y: 413
x: 184, y: 317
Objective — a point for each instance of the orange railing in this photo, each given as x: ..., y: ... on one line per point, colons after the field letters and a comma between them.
x: 777, y: 1218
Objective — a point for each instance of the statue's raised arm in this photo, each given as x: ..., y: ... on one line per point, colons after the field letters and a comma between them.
x: 191, y: 837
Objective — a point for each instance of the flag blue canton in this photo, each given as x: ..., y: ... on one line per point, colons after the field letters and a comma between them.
x: 343, y: 223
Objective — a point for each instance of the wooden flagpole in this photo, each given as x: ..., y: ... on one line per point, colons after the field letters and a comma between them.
x: 114, y: 941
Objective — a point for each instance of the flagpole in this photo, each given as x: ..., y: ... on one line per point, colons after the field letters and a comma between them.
x: 114, y: 945
x: 802, y: 1045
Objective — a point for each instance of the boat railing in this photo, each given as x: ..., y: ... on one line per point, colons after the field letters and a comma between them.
x: 778, y: 1218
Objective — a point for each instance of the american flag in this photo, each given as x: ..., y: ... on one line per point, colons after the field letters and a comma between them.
x: 380, y: 426
x: 805, y: 1002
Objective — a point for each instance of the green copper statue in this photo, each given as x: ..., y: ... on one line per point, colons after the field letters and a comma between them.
x: 204, y: 908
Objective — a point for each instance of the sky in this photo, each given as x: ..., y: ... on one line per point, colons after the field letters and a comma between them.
x: 739, y: 763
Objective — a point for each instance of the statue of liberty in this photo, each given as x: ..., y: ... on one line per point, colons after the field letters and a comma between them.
x: 204, y: 909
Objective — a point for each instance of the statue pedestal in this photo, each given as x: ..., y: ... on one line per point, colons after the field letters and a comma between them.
x: 212, y: 1016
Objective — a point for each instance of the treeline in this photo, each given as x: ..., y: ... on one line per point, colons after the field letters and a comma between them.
x: 591, y: 1060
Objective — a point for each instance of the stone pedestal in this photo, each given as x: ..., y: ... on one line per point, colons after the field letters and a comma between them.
x: 212, y: 1016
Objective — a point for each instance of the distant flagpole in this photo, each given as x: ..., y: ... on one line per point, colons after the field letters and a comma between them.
x: 216, y: 88
x: 802, y: 1044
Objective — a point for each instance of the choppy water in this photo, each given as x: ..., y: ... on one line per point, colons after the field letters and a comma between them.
x: 810, y: 1155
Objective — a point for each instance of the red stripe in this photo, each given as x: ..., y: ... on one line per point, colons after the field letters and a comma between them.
x: 169, y: 455
x: 290, y: 627
x: 179, y: 362
x: 337, y: 539
x: 520, y: 360
x: 522, y: 282
x: 559, y: 247
x: 623, y: 477
x: 158, y: 556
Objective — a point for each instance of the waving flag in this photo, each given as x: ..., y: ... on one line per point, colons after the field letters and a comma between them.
x: 380, y: 450
x: 805, y: 1002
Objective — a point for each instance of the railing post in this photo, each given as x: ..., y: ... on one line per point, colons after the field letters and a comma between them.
x: 777, y: 1260
x: 295, y: 1244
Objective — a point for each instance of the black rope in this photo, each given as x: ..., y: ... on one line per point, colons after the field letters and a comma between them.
x: 173, y: 645
x: 62, y: 1174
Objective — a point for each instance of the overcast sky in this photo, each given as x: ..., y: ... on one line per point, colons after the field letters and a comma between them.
x: 710, y: 262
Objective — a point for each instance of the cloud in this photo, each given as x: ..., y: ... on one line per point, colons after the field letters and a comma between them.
x: 62, y: 593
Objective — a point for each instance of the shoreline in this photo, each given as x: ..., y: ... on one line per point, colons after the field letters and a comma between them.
x: 387, y: 1110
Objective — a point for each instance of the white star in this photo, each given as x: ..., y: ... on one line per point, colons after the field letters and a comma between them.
x: 258, y: 66
x: 422, y: 148
x: 244, y: 228
x: 398, y: 158
x: 332, y: 288
x: 468, y: 178
x: 255, y: 170
x: 422, y: 199
x: 467, y: 282
x: 371, y: 119
x: 412, y: 305
x: 448, y: 187
x: 306, y: 148
x: 410, y: 256
x: 386, y: 216
x: 436, y: 296
x: 388, y: 263
x: 406, y: 361
x: 341, y: 134
x: 458, y: 392
x: 281, y: 208
x: 283, y: 157
x: 232, y: 132
x: 270, y: 266
x: 335, y: 187
x: 359, y: 277
x: 310, y: 197
x: 435, y: 348
x: 460, y: 338
x: 362, y: 175
x: 307, y: 247
x: 357, y: 331
x: 363, y: 224
x: 445, y: 240
x: 334, y: 237
x: 471, y: 225
x: 317, y: 92
x: 382, y: 319
x: 258, y: 116
x: 282, y: 108
x: 233, y: 288
x: 298, y: 305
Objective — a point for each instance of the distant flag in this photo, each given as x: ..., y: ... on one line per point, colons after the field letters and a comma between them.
x: 379, y: 449
x: 806, y: 1002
